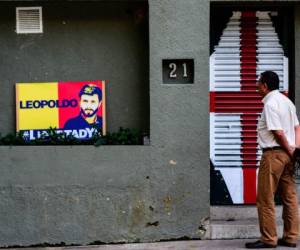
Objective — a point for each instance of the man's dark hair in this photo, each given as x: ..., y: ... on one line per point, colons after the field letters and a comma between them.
x: 91, y: 89
x: 271, y: 79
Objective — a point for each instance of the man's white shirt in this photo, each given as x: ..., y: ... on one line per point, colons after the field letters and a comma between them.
x: 279, y: 113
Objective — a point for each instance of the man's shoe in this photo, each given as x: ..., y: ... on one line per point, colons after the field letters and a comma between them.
x: 282, y: 242
x: 258, y: 244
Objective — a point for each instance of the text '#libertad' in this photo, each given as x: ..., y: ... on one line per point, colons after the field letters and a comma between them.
x: 40, y: 104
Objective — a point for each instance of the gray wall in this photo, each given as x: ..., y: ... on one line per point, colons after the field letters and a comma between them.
x: 83, y: 194
x: 81, y: 41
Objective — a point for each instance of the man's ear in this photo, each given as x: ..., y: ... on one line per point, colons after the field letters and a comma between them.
x: 265, y: 86
x: 99, y: 104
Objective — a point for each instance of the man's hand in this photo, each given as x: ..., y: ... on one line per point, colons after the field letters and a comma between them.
x: 297, y: 135
x: 283, y: 142
x: 291, y: 151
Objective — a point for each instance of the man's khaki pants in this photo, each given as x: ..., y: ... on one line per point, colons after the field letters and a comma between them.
x: 276, y: 173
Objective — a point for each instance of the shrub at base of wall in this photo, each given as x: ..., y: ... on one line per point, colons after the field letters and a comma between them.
x: 124, y: 136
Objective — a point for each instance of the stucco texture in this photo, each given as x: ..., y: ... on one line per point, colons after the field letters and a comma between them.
x: 84, y: 194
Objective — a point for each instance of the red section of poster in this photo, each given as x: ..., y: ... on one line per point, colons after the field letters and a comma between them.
x: 70, y: 91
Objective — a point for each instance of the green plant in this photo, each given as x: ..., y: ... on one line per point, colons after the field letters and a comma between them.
x: 12, y: 139
x: 124, y: 136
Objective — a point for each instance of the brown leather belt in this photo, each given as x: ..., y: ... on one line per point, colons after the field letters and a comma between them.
x: 272, y: 148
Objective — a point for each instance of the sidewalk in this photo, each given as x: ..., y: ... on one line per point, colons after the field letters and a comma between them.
x: 170, y: 245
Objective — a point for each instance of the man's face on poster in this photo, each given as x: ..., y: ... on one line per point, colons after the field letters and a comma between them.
x: 89, y: 104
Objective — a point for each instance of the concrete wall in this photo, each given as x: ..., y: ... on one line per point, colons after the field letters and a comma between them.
x: 83, y: 194
x: 81, y: 41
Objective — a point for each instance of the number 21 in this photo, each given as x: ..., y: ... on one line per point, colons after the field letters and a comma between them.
x: 173, y: 67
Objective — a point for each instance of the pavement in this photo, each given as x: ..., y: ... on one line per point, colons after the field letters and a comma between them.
x: 169, y: 245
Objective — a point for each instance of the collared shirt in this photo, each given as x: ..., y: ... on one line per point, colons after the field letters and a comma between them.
x: 279, y: 113
x: 79, y: 122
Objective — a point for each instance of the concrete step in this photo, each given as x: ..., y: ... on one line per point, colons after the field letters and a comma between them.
x: 237, y: 222
x: 237, y: 229
x: 237, y: 212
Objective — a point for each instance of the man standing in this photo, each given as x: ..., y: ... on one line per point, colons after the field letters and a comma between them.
x: 278, y: 135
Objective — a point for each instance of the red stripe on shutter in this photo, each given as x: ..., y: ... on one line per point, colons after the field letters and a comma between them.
x: 249, y: 185
x: 236, y: 102
x: 212, y: 101
x: 248, y: 83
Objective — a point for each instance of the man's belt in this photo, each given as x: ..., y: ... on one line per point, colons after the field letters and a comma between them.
x: 272, y: 148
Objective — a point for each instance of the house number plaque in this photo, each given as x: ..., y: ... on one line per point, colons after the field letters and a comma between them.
x: 178, y: 71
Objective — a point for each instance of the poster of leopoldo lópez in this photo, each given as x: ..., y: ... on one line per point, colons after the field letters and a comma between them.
x: 76, y: 108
